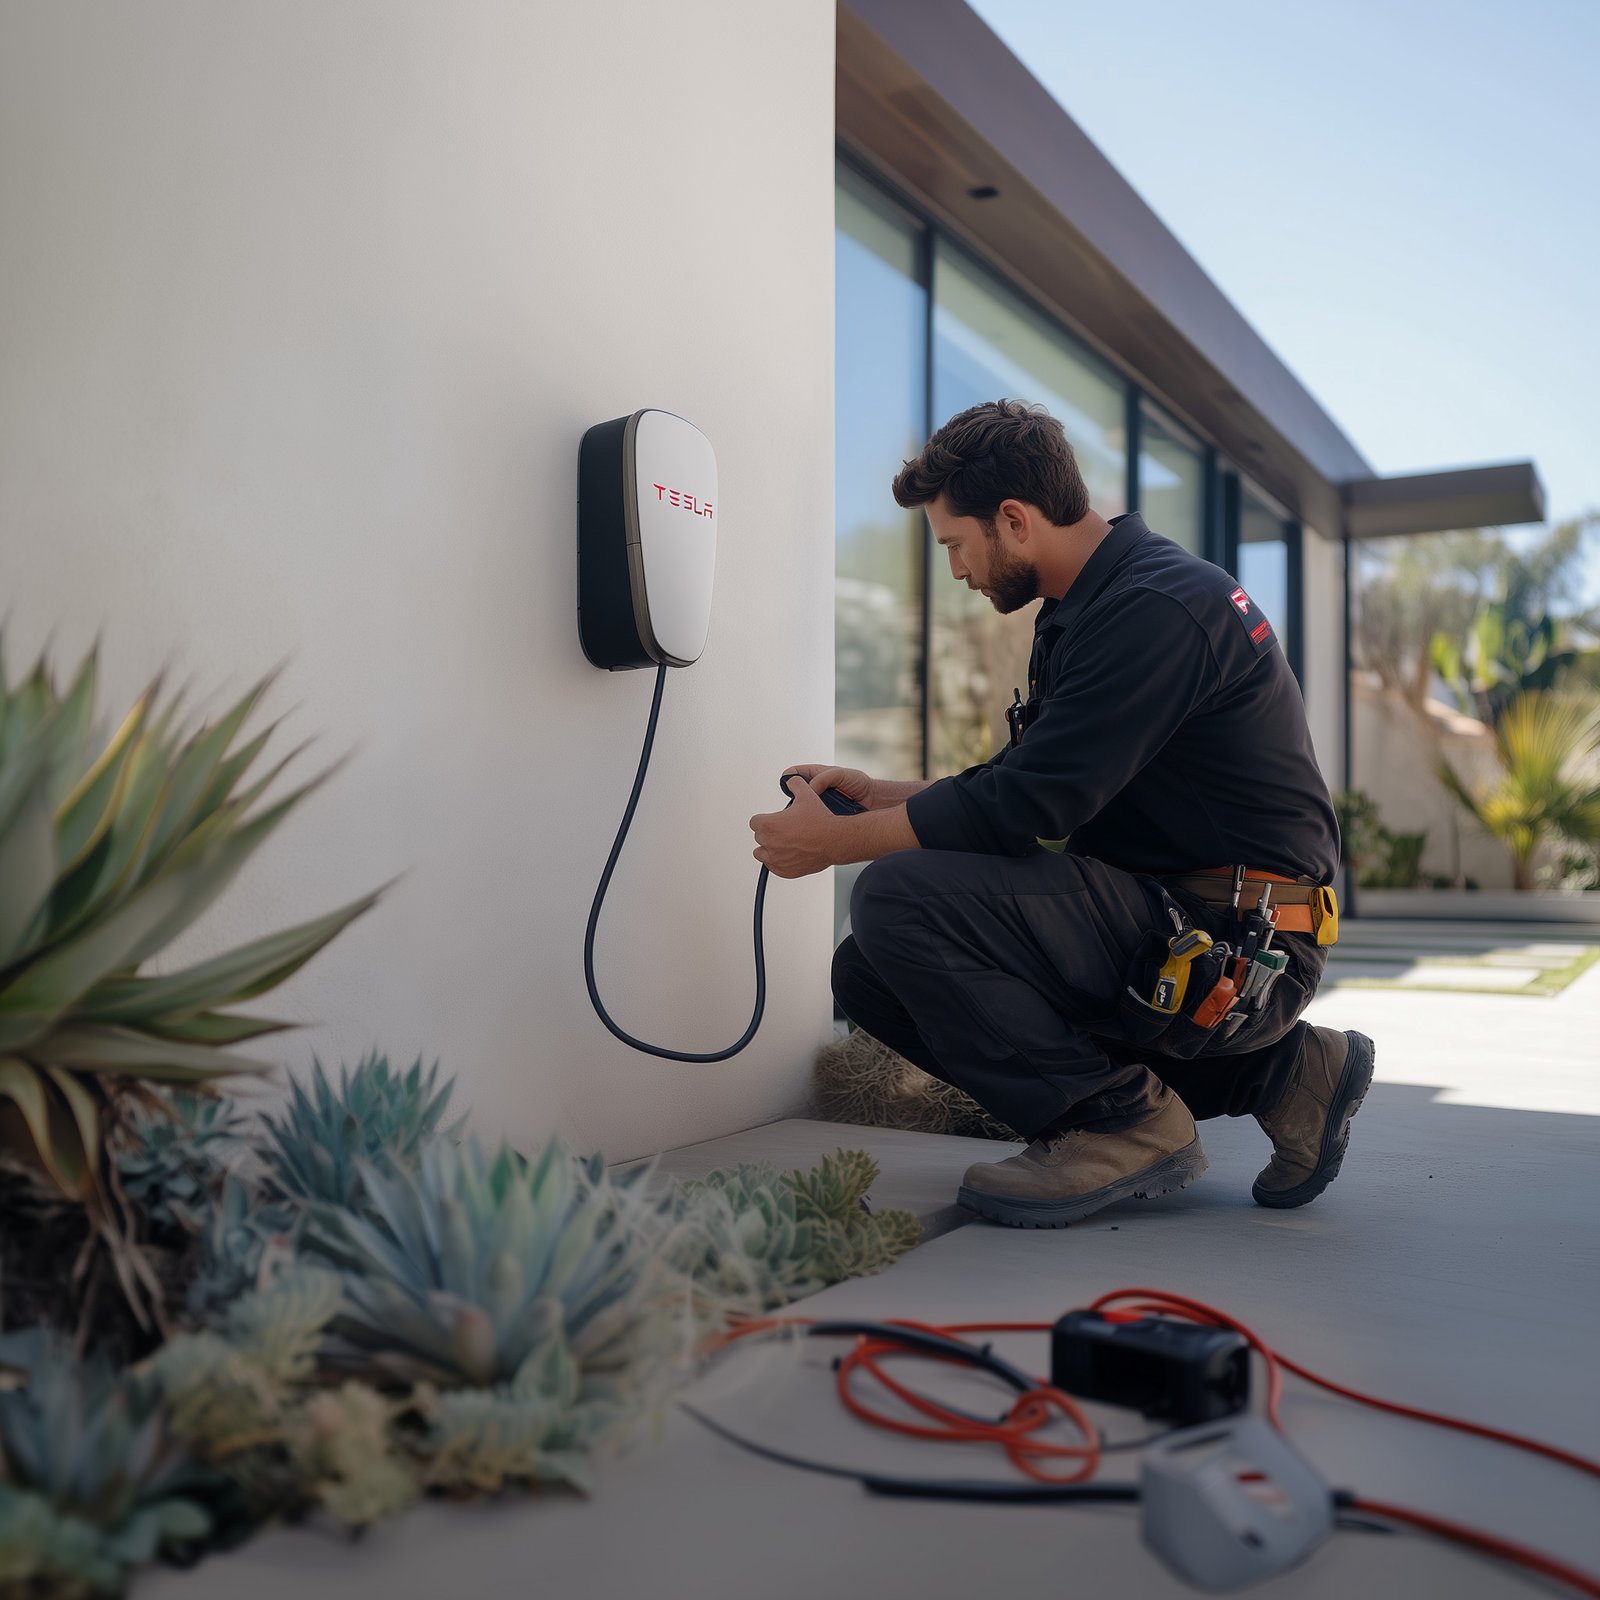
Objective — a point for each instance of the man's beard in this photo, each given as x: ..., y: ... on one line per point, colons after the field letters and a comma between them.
x: 1013, y: 582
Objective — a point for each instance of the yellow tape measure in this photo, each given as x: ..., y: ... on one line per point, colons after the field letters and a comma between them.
x: 1173, y: 980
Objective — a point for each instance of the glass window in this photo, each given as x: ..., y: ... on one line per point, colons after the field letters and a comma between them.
x: 1172, y: 481
x: 990, y: 344
x: 880, y: 338
x: 880, y: 360
x: 1263, y: 568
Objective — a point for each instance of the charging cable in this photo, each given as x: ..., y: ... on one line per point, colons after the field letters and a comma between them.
x: 1040, y: 1402
x: 599, y: 897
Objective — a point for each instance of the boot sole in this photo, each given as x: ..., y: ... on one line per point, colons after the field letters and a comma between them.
x: 1168, y: 1175
x: 1354, y: 1082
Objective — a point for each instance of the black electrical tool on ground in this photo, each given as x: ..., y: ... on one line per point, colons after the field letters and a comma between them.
x: 1180, y: 1372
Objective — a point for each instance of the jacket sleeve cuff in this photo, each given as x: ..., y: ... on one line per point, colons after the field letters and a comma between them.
x: 942, y: 819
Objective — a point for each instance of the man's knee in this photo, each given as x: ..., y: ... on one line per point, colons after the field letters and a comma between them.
x: 849, y: 970
x: 880, y: 886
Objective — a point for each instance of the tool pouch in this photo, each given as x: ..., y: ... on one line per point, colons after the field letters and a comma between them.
x: 1184, y: 1036
x: 1138, y: 1022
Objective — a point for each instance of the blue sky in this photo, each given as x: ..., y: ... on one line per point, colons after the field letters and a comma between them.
x: 1401, y: 197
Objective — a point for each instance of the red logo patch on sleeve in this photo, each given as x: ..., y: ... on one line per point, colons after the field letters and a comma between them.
x: 1256, y: 625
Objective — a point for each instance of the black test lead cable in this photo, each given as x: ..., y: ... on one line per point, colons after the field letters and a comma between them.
x: 998, y: 1493
x: 925, y: 1342
x: 599, y: 897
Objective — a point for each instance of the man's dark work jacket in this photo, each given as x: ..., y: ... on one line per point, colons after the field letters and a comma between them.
x: 1166, y: 731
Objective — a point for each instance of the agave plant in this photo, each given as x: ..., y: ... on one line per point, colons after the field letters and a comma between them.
x: 91, y: 1481
x: 109, y: 849
x: 470, y: 1265
x: 374, y: 1115
x: 1542, y: 741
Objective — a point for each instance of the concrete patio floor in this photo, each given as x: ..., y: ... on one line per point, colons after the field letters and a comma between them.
x: 1454, y: 1265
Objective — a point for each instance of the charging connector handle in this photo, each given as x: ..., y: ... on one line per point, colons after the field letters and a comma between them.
x: 599, y: 898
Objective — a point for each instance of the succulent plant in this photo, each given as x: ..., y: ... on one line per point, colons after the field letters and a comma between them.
x: 242, y: 1398
x: 756, y: 1240
x: 49, y: 1554
x: 226, y: 1388
x: 170, y: 1164
x: 859, y: 1079
x: 340, y: 1443
x: 374, y: 1115
x: 245, y: 1241
x: 109, y: 849
x: 742, y: 1240
x: 279, y: 1327
x: 850, y: 1240
x: 535, y: 1429
x: 470, y: 1264
x: 91, y: 1481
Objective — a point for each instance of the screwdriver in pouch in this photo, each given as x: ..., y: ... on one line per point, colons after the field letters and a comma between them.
x: 1259, y: 923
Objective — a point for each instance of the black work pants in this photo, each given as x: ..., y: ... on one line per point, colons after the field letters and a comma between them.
x: 1001, y: 974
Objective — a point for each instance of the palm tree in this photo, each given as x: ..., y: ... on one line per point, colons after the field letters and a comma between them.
x: 1547, y: 788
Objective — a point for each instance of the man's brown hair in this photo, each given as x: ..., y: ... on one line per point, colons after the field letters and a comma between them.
x: 999, y: 450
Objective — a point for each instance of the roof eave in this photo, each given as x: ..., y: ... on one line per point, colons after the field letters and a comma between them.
x: 1501, y: 495
x: 927, y: 93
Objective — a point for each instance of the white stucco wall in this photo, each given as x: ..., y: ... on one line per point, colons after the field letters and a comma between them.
x: 304, y: 308
x: 1395, y: 748
x: 1322, y: 649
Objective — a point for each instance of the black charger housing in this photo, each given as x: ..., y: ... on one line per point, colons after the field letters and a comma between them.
x: 647, y: 542
x: 1177, y: 1371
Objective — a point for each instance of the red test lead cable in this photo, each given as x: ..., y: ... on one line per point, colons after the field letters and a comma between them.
x: 1158, y: 1302
x: 1038, y: 1405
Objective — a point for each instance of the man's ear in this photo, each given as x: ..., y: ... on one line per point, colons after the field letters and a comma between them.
x: 1017, y: 518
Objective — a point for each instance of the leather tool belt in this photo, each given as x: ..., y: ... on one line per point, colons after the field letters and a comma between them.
x: 1301, y: 907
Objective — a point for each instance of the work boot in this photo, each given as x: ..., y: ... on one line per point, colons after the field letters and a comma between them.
x: 1065, y: 1176
x: 1310, y: 1125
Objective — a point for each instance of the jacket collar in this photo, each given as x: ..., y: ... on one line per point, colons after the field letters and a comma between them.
x: 1126, y: 531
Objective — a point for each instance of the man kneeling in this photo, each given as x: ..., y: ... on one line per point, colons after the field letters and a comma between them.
x: 1111, y: 927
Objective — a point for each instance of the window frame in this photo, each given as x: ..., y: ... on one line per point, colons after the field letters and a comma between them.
x: 1223, y: 479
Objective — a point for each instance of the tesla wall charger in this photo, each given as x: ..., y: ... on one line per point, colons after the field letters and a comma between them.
x: 647, y: 541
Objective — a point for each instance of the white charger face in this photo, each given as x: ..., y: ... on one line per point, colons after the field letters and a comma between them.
x: 675, y: 488
x: 647, y: 541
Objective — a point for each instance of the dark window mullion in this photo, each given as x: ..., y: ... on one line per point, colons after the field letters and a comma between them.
x: 1347, y: 608
x: 1293, y: 539
x: 1211, y: 510
x: 1134, y: 411
x: 1228, y: 558
x: 925, y: 266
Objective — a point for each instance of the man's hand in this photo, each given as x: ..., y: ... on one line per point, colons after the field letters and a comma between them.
x: 795, y: 842
x: 847, y: 780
